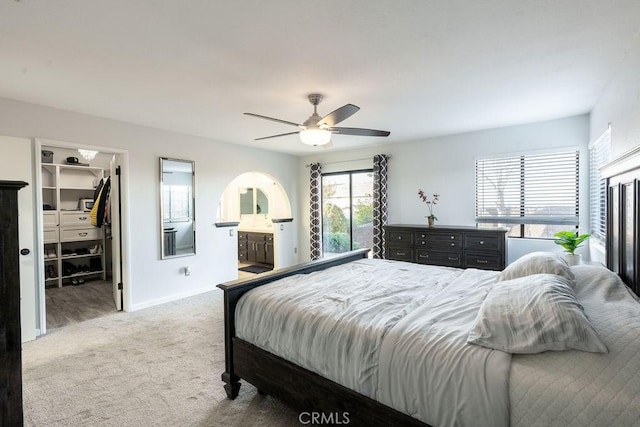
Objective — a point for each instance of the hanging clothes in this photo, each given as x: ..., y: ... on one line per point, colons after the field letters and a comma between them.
x: 98, y: 211
x: 93, y: 215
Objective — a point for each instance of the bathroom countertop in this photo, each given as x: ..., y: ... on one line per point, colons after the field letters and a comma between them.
x: 256, y: 230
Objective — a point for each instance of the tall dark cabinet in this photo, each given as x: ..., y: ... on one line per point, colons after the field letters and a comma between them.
x: 10, y: 338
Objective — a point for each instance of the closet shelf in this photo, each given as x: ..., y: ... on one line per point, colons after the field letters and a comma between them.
x: 84, y: 273
x: 81, y: 256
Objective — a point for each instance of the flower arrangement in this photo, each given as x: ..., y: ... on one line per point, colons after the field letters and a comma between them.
x: 430, y: 203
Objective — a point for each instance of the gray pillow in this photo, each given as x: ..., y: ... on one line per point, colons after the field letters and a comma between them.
x: 537, y: 263
x: 533, y: 314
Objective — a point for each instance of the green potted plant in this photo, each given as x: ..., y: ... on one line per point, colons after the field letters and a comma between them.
x: 570, y: 241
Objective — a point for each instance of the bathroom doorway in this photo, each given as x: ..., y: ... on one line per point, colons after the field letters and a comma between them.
x: 266, y: 235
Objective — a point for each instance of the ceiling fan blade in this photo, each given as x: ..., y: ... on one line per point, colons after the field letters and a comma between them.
x: 360, y: 132
x: 271, y: 118
x: 275, y: 136
x: 342, y: 113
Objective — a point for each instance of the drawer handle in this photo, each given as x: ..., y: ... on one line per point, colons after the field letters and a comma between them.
x: 424, y: 236
x: 453, y: 245
x: 82, y: 218
x: 423, y: 243
x: 482, y: 242
x: 399, y: 237
x: 82, y: 234
x: 453, y: 258
x: 401, y: 253
x: 423, y: 256
x: 452, y: 237
x: 482, y: 261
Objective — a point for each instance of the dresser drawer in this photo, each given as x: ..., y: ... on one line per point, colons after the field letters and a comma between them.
x: 484, y: 261
x: 447, y: 259
x: 400, y: 238
x: 479, y: 242
x: 453, y: 245
x: 242, y: 256
x: 50, y: 219
x: 80, y: 234
x: 242, y: 235
x: 269, y: 238
x: 436, y: 240
x: 51, y: 235
x: 400, y: 254
x: 242, y: 245
x: 75, y: 219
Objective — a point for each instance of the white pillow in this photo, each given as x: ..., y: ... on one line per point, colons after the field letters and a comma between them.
x: 533, y: 314
x: 537, y: 263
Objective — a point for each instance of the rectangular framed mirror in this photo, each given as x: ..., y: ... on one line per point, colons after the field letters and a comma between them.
x: 177, y: 208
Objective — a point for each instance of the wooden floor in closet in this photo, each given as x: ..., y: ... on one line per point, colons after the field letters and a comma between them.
x: 72, y: 304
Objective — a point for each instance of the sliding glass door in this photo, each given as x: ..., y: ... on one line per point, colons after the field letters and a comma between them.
x: 347, y: 211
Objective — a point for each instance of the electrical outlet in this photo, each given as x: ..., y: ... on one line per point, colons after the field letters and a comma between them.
x: 187, y: 270
x: 295, y: 250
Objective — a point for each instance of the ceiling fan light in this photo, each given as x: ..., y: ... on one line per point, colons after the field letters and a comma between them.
x: 315, y: 136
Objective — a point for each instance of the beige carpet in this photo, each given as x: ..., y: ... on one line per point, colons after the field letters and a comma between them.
x: 155, y: 367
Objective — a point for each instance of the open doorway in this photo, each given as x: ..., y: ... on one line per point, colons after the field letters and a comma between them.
x: 80, y: 207
x: 266, y: 238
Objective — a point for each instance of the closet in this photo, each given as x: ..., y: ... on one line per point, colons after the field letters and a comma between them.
x: 73, y: 248
x: 79, y: 278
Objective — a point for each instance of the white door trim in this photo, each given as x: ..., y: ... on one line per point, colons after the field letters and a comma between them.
x: 124, y: 200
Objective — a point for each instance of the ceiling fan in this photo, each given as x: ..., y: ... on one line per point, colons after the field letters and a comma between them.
x: 317, y: 130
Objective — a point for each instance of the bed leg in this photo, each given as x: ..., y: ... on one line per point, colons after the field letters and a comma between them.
x: 232, y: 386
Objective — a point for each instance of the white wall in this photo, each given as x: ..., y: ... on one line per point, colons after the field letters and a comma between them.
x: 446, y: 165
x: 153, y: 280
x: 619, y: 105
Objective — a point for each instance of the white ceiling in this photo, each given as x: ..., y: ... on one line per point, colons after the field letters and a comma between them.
x: 417, y: 68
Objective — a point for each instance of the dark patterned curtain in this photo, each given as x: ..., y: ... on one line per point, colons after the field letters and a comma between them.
x: 316, y: 210
x: 379, y: 203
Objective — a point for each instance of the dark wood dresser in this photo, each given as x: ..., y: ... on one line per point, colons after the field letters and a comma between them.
x: 10, y: 335
x: 449, y: 246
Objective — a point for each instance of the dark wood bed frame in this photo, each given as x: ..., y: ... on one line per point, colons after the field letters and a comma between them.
x: 306, y: 391
x: 299, y: 388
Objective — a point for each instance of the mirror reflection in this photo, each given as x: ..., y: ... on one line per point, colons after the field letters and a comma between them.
x: 177, y: 207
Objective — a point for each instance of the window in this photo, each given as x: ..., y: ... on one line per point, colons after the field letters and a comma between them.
x: 535, y: 195
x: 347, y: 211
x: 599, y: 155
x: 177, y: 204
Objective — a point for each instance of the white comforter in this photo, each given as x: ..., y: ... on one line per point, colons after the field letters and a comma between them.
x: 396, y: 332
x: 428, y: 370
x: 333, y: 322
x: 393, y: 331
x: 575, y: 388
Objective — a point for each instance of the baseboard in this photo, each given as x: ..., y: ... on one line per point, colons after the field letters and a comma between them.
x: 170, y: 298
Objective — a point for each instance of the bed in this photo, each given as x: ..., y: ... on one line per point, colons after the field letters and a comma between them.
x: 407, y: 367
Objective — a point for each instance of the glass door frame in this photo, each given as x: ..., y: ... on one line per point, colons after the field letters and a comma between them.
x: 350, y: 173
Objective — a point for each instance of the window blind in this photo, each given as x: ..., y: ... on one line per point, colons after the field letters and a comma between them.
x: 528, y: 189
x: 599, y: 155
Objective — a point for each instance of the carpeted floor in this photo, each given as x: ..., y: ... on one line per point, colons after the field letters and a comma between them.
x: 155, y: 367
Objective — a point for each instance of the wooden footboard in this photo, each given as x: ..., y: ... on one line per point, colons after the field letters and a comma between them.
x: 299, y: 388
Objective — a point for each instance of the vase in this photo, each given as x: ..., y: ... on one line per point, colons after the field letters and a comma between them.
x: 573, y: 259
x: 431, y: 220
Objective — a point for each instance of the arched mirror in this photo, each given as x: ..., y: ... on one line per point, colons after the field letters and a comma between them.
x: 177, y: 208
x: 253, y: 201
